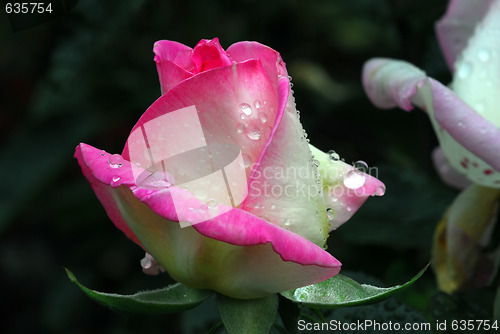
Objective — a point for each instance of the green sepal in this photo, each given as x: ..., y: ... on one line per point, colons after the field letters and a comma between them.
x: 173, y: 298
x: 340, y: 291
x: 248, y: 315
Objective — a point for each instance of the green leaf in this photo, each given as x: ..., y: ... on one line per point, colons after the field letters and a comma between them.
x: 248, y: 315
x: 173, y: 298
x: 341, y: 290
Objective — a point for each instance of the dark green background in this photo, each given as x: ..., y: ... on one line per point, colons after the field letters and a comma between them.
x: 88, y: 75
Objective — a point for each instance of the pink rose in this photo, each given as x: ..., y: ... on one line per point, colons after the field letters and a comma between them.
x: 246, y: 239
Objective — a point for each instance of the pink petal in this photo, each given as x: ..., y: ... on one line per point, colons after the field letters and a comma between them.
x: 173, y: 62
x: 237, y: 253
x: 283, y: 187
x: 469, y: 141
x: 271, y: 60
x: 94, y: 164
x: 221, y: 98
x: 209, y: 54
x: 457, y: 26
x: 447, y: 173
x: 345, y: 189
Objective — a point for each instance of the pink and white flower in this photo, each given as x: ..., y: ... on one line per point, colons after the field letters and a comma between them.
x: 270, y: 236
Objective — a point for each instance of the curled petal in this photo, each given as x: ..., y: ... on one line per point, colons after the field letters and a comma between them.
x: 458, y: 255
x: 284, y: 187
x: 457, y: 26
x: 469, y: 141
x: 345, y: 188
x: 173, y: 63
x: 271, y: 60
x: 209, y: 54
x: 100, y: 178
x: 236, y: 253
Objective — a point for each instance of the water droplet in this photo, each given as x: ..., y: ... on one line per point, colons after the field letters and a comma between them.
x: 315, y: 162
x: 212, y: 204
x: 288, y: 222
x: 464, y: 70
x: 379, y: 191
x: 354, y: 179
x: 200, y: 194
x: 257, y: 104
x: 116, y: 178
x: 253, y: 132
x: 334, y: 156
x: 484, y: 55
x: 240, y: 127
x: 461, y: 124
x: 247, y: 161
x: 246, y: 109
x: 203, y: 208
x: 262, y: 116
x: 330, y: 214
x: 273, y: 206
x: 115, y: 161
x: 349, y: 209
x: 257, y: 205
x: 103, y: 153
x: 361, y: 166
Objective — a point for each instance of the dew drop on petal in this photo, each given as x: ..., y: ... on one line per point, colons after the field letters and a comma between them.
x: 361, y: 166
x: 240, y: 127
x: 334, y: 156
x: 273, y: 206
x: 484, y: 55
x: 464, y: 70
x: 262, y: 116
x: 288, y: 222
x: 247, y: 161
x: 354, y: 179
x: 212, y: 204
x: 200, y: 194
x: 257, y: 104
x: 257, y: 205
x: 116, y: 178
x: 330, y: 214
x: 253, y: 132
x: 245, y: 109
x: 103, y: 153
x: 115, y: 161
x: 379, y: 191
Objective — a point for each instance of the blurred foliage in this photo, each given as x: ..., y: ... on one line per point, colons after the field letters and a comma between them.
x: 88, y: 75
